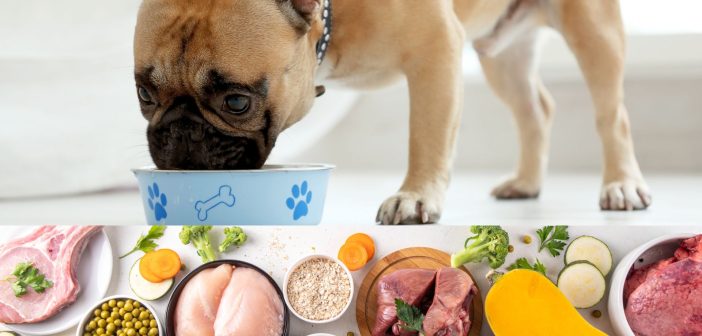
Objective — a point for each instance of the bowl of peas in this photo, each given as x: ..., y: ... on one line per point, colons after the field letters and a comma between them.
x: 120, y: 316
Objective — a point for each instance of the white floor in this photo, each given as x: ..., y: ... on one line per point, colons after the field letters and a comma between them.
x: 353, y: 199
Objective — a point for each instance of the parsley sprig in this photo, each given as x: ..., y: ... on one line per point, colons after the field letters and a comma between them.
x: 553, y: 238
x: 523, y: 263
x: 26, y: 275
x: 411, y: 317
x: 146, y: 242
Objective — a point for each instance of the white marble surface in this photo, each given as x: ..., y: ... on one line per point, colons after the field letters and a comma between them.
x: 354, y: 197
x: 275, y: 248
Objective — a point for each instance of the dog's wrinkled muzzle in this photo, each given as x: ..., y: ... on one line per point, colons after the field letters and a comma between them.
x: 182, y: 139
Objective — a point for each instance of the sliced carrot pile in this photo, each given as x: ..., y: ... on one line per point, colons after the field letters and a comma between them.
x: 160, y: 265
x: 357, y: 251
x: 353, y: 255
x: 364, y: 240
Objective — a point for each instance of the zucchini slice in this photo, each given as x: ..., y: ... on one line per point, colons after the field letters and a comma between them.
x: 145, y: 289
x: 587, y: 248
x: 583, y: 284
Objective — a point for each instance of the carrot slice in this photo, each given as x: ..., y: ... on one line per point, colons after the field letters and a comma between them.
x: 353, y: 255
x: 145, y: 269
x: 366, y: 241
x: 165, y: 263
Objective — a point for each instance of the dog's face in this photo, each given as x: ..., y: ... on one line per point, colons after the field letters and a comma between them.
x: 218, y: 80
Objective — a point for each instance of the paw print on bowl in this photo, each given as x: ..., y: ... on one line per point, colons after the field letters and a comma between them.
x: 300, y: 200
x: 157, y: 202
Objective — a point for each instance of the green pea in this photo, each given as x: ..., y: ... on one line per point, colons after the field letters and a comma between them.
x: 137, y: 325
x: 100, y: 331
x: 137, y: 304
x: 143, y: 315
x: 128, y: 325
x: 120, y: 304
x: 92, y: 325
x: 122, y: 311
x: 105, y: 306
x: 153, y: 324
x: 104, y: 314
x: 153, y: 332
x: 131, y: 332
x: 110, y: 327
x: 101, y: 323
x: 97, y: 312
x: 118, y: 322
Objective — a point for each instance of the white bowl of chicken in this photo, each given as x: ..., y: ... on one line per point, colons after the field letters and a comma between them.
x: 227, y: 297
x: 657, y: 288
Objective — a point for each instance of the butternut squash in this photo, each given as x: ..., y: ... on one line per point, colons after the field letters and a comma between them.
x: 525, y: 302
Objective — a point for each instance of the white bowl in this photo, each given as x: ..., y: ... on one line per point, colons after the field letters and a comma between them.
x: 89, y: 314
x: 295, y: 266
x: 650, y: 252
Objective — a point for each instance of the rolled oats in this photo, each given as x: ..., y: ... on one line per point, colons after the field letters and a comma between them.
x: 319, y: 289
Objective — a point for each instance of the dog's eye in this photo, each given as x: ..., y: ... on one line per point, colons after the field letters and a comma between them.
x: 144, y: 95
x: 237, y: 104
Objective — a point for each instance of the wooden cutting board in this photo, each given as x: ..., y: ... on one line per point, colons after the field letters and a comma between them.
x: 414, y: 257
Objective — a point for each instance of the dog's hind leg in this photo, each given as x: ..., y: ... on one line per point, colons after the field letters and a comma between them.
x: 513, y: 76
x: 594, y: 31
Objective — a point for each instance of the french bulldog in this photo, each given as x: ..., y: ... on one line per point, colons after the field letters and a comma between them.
x: 219, y: 80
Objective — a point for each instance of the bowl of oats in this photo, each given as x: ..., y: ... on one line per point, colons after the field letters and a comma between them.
x: 318, y: 289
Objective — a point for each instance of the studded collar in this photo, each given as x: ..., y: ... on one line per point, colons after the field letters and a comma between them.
x: 323, y: 43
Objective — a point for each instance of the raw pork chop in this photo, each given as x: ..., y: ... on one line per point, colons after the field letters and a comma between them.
x: 669, y: 303
x: 410, y: 285
x: 449, y: 314
x: 55, y: 251
x: 198, y: 303
x: 250, y: 306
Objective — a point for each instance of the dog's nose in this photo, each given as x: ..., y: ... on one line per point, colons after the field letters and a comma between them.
x: 182, y: 107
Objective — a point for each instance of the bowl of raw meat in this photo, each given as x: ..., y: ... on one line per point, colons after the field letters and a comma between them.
x: 272, y: 195
x: 227, y: 297
x: 657, y: 288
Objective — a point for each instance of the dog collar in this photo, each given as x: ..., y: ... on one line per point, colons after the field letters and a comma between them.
x: 323, y: 43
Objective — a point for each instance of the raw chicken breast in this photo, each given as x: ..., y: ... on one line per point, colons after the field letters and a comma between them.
x: 250, y: 307
x: 198, y: 303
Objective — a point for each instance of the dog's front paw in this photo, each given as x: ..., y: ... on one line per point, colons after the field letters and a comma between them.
x: 517, y: 188
x: 625, y: 195
x: 408, y: 207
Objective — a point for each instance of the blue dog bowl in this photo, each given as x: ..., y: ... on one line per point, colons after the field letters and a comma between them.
x: 273, y: 195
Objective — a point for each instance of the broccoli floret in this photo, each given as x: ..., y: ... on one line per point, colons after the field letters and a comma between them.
x: 234, y: 236
x: 200, y: 238
x: 490, y: 243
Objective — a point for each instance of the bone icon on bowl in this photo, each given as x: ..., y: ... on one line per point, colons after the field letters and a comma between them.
x: 224, y: 196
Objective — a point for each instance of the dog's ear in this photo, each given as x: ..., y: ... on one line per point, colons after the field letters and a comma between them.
x: 301, y: 13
